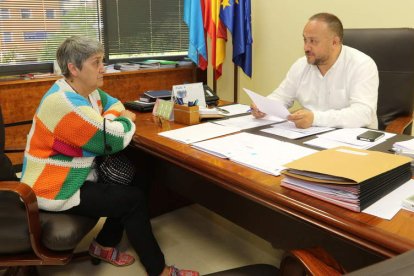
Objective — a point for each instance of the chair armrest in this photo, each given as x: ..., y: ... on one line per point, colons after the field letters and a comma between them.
x: 312, y: 261
x: 13, y: 150
x: 399, y: 124
x: 29, y: 200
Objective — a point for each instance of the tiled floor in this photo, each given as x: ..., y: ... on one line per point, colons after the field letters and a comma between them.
x: 191, y: 237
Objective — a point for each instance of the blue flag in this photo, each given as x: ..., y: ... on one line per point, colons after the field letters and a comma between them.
x: 193, y: 17
x: 236, y: 16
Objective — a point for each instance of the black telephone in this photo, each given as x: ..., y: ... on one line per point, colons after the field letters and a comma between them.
x: 211, y: 97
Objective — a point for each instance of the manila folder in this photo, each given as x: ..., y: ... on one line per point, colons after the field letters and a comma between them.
x: 356, y: 165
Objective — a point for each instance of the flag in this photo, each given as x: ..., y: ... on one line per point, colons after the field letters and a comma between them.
x: 193, y: 17
x: 236, y: 16
x: 217, y: 32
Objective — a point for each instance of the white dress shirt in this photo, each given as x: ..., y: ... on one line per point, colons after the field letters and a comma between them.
x: 345, y: 97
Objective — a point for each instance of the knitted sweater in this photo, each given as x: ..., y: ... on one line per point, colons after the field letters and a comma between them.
x: 66, y: 136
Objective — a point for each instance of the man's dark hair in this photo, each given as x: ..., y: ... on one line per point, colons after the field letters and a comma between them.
x: 333, y: 23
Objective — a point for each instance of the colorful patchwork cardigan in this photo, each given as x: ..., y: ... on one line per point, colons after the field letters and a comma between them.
x: 66, y: 136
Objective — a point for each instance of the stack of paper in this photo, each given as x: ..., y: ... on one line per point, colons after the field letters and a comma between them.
x: 255, y: 151
x: 245, y: 122
x: 196, y: 133
x: 345, y: 137
x: 290, y: 131
x: 348, y: 177
x: 404, y: 146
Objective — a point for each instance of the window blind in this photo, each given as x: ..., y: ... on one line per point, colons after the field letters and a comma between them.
x: 31, y: 31
x: 144, y: 28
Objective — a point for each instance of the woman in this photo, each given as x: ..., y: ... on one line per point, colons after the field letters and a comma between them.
x: 66, y: 136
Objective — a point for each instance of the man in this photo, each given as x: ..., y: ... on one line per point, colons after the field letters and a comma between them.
x: 336, y: 85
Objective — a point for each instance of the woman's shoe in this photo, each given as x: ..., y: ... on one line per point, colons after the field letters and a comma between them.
x: 181, y: 272
x: 109, y: 254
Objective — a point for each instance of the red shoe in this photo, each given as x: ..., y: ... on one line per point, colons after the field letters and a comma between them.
x: 180, y: 272
x: 110, y: 255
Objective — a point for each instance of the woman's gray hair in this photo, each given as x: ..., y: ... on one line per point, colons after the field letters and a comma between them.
x: 76, y: 49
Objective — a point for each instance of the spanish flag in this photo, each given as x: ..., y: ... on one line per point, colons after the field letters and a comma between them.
x: 217, y: 32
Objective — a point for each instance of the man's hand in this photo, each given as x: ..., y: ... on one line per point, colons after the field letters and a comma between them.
x: 256, y: 112
x: 128, y: 114
x: 302, y: 118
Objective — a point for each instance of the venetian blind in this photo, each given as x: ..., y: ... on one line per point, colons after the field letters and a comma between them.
x: 145, y: 28
x: 31, y: 31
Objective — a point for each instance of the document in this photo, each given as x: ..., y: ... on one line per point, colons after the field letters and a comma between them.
x: 345, y: 137
x: 261, y: 153
x: 235, y: 109
x: 290, y: 131
x: 388, y: 206
x: 269, y: 106
x: 196, y: 133
x: 245, y: 122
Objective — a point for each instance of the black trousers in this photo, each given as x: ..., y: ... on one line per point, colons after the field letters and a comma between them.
x: 126, y: 208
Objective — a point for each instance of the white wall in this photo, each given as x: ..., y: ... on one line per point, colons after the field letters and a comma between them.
x: 277, y: 36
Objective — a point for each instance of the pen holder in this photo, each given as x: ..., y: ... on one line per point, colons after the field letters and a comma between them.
x: 188, y: 115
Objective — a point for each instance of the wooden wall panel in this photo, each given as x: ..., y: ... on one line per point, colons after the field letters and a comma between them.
x: 19, y: 99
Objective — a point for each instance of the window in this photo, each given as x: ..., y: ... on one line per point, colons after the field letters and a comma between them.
x: 38, y: 28
x: 50, y: 14
x: 7, y: 37
x: 142, y: 29
x: 4, y: 13
x: 127, y: 28
x: 28, y: 36
x: 25, y: 13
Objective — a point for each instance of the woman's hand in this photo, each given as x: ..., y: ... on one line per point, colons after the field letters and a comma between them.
x: 128, y: 114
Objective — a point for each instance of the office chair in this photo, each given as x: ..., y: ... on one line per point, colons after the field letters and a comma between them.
x: 393, y: 52
x: 30, y: 237
x: 298, y: 262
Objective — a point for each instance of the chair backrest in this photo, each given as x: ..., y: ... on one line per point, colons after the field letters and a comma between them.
x: 393, y: 51
x: 6, y: 167
x: 2, y: 132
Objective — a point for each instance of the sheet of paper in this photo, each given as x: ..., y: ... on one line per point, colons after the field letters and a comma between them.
x: 255, y: 151
x: 388, y: 206
x: 245, y: 122
x: 196, y: 133
x: 345, y: 137
x: 290, y: 131
x: 268, y: 106
x: 235, y: 109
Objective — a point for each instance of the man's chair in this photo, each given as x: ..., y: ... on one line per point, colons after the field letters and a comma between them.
x: 300, y: 262
x: 30, y: 237
x: 393, y: 52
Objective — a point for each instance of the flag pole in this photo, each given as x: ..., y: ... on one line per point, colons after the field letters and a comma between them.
x: 214, y: 82
x: 235, y: 85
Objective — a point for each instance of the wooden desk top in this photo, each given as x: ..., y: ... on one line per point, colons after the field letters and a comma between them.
x: 387, y: 238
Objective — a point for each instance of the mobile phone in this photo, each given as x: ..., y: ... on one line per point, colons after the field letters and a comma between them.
x: 370, y: 136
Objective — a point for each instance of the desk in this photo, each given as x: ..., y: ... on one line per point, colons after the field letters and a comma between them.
x: 255, y: 201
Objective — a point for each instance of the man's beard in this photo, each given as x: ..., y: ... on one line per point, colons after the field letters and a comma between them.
x: 317, y: 60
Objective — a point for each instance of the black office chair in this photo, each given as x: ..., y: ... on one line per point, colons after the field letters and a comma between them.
x: 393, y: 52
x: 29, y: 237
x: 300, y: 262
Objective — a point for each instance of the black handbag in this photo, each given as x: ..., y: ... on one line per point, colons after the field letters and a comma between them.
x: 114, y: 168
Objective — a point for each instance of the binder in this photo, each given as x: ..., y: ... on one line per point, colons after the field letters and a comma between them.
x: 348, y: 177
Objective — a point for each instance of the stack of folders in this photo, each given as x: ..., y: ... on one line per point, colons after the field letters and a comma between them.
x: 348, y: 177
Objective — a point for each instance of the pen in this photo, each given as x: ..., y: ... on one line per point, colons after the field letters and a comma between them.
x: 222, y: 110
